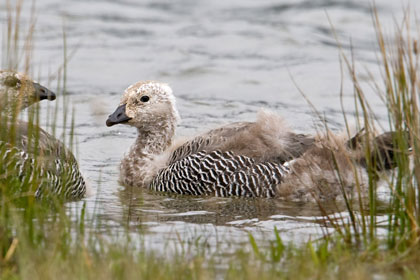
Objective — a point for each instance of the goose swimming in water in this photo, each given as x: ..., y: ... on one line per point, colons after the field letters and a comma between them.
x: 253, y: 159
x: 30, y: 155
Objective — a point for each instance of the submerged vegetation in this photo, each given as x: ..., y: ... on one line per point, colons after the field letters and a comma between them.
x: 40, y: 240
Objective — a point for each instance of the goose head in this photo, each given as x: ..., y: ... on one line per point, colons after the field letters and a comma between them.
x: 146, y: 105
x: 18, y: 91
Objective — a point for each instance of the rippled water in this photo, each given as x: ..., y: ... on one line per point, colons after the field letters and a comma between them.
x: 224, y: 60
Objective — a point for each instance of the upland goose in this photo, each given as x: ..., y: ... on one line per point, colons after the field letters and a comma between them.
x: 31, y: 157
x: 253, y: 159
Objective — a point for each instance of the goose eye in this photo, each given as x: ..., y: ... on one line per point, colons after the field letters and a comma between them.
x: 11, y: 81
x: 144, y: 98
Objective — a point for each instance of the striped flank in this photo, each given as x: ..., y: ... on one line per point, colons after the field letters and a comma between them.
x: 221, y: 174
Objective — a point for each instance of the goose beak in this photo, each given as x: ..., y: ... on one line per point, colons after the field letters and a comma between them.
x: 43, y: 93
x: 118, y: 116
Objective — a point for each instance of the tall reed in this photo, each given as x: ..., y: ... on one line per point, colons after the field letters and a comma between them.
x: 399, y: 89
x: 43, y: 241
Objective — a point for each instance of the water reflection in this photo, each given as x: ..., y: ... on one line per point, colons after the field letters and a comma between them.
x: 146, y: 206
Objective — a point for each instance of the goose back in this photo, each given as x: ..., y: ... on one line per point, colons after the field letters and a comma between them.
x: 29, y: 136
x: 267, y: 139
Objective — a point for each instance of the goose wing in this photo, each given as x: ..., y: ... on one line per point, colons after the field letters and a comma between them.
x: 221, y: 174
x: 248, y: 139
x: 19, y: 168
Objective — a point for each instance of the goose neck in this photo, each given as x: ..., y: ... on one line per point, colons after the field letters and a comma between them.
x: 151, y: 142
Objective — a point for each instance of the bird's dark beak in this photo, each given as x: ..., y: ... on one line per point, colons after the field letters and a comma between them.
x: 118, y: 116
x: 42, y: 93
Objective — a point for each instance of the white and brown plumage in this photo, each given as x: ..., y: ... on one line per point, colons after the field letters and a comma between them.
x: 29, y: 155
x: 239, y: 159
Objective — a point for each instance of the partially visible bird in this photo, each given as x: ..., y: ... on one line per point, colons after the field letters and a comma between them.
x: 19, y: 92
x: 337, y: 166
x: 31, y: 157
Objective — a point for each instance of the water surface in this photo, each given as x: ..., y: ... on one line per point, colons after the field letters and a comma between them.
x: 224, y: 61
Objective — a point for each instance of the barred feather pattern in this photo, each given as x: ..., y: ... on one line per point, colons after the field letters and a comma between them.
x: 212, y: 140
x: 19, y: 167
x: 259, y: 146
x: 189, y: 148
x: 220, y: 174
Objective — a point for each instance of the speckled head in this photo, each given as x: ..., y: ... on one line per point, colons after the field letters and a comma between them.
x: 19, y: 92
x: 145, y: 105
